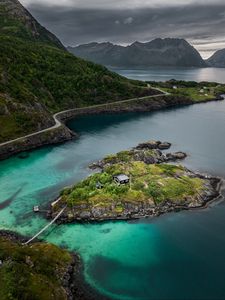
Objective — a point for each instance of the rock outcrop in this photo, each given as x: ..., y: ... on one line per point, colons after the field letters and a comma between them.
x: 142, y: 153
x: 54, y: 136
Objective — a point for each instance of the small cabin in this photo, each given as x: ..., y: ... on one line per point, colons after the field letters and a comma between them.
x: 121, y: 179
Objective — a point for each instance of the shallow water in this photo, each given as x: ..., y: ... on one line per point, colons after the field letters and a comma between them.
x: 176, y: 256
x: 164, y: 74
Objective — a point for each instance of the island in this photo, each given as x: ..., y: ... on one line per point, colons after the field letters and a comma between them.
x: 137, y: 183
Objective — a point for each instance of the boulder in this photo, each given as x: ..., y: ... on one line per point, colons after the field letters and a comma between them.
x: 149, y: 145
x: 179, y: 155
x: 164, y: 146
x: 175, y: 156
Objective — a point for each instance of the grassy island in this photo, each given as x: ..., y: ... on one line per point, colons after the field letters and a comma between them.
x: 153, y: 187
x: 148, y: 183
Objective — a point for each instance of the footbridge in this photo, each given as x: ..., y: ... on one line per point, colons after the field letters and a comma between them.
x: 45, y: 228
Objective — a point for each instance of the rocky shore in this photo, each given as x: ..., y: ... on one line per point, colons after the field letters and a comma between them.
x: 149, y: 152
x: 145, y: 154
x: 82, y: 213
x: 56, y: 136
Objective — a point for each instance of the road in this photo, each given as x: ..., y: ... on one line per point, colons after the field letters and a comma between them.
x: 58, y: 123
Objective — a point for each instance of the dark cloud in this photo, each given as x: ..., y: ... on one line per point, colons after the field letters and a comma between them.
x: 199, y: 24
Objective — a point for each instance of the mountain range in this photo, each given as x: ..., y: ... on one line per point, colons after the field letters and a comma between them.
x: 217, y: 59
x: 168, y: 52
x: 38, y: 76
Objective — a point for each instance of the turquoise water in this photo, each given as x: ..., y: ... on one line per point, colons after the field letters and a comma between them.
x: 176, y: 256
x: 164, y: 74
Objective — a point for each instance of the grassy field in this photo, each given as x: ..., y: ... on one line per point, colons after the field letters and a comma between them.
x: 196, y: 91
x: 149, y: 183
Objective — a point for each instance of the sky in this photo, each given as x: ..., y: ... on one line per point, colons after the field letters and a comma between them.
x: 123, y: 22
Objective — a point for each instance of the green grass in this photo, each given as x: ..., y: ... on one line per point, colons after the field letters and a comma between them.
x: 156, y: 183
x: 191, y: 89
x: 32, y: 272
x: 193, y: 93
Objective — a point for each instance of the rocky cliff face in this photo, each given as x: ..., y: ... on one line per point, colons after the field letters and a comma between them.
x: 159, y: 52
x: 217, y: 59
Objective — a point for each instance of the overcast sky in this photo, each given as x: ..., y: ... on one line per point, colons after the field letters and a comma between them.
x: 76, y: 22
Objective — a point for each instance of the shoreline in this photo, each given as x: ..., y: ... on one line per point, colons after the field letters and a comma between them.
x: 60, y: 133
x: 162, y: 210
x: 73, y: 281
x: 147, y: 154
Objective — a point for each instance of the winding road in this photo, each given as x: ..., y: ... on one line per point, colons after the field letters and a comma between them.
x: 58, y: 122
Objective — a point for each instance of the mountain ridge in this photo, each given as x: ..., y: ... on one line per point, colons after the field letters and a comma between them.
x: 158, y: 52
x: 12, y: 10
x: 217, y: 59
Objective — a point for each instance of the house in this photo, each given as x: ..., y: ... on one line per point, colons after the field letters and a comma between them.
x: 175, y: 87
x: 121, y: 179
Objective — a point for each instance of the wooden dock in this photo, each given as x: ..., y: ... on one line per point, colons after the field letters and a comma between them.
x: 45, y: 228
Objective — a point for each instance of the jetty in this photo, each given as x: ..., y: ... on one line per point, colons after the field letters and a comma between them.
x: 45, y: 228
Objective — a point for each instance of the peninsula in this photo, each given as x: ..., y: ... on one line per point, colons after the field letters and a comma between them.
x: 136, y: 183
x: 40, y: 271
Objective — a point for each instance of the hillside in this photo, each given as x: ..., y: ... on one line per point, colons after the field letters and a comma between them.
x: 217, y: 60
x: 159, y: 52
x: 34, y: 272
x: 38, y: 76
